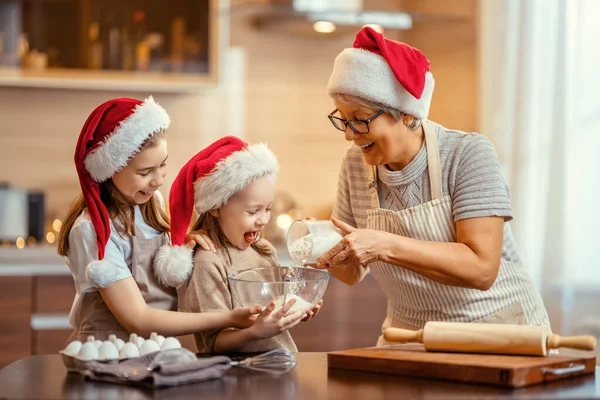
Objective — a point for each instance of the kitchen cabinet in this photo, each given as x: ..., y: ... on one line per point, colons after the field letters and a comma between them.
x: 33, y: 315
x: 15, y: 313
x: 110, y: 45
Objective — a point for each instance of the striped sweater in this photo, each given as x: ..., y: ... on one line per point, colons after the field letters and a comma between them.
x: 471, y: 176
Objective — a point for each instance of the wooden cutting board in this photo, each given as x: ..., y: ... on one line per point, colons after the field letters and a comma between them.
x: 498, y: 370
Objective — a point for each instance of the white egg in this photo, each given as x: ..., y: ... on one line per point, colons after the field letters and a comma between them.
x: 119, y: 343
x: 129, y: 350
x: 89, y: 351
x: 149, y: 346
x: 108, y: 351
x: 170, y: 343
x: 116, y: 341
x: 73, y: 348
x: 140, y: 341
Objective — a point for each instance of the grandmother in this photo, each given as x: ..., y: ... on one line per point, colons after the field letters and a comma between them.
x: 424, y: 208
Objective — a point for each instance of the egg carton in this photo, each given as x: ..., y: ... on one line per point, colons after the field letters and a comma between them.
x: 77, y: 363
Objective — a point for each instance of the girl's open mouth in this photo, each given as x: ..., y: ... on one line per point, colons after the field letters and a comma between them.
x: 250, y: 237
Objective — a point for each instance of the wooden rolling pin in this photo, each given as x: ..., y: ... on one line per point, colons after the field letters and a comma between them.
x: 473, y: 337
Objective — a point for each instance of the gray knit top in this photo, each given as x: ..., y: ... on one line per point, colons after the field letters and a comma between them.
x: 471, y: 176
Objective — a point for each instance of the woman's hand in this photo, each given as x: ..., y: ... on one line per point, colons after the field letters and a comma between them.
x: 244, y: 317
x: 358, y: 247
x: 201, y: 238
x: 271, y: 323
x: 313, y: 313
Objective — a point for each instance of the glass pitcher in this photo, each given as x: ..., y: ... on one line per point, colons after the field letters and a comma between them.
x: 307, y: 240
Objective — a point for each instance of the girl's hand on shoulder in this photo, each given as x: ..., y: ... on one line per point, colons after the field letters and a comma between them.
x: 200, y: 238
x: 271, y: 323
x: 313, y: 313
x: 244, y: 317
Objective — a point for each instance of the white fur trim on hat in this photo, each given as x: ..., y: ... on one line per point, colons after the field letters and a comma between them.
x: 103, y: 273
x: 115, y: 152
x: 232, y: 174
x: 173, y: 265
x: 361, y: 73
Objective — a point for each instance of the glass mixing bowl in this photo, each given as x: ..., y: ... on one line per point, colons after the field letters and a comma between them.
x: 261, y: 285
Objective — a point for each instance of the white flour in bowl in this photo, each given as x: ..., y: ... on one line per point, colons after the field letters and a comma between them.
x: 300, y: 303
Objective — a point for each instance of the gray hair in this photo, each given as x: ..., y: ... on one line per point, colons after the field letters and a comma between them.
x: 397, y: 114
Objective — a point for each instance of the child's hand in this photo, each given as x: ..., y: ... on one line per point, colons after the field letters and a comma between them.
x: 313, y: 313
x: 201, y: 238
x: 271, y: 323
x: 244, y: 317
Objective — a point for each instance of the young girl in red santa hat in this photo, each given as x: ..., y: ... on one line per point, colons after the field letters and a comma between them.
x: 114, y: 229
x: 231, y: 185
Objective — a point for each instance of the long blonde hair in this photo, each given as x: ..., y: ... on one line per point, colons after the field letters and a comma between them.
x: 118, y: 206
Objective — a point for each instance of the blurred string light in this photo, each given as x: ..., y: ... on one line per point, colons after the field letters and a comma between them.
x: 20, y: 243
x: 50, y: 237
x: 57, y: 225
x: 31, y: 241
x: 284, y: 221
x: 324, y: 27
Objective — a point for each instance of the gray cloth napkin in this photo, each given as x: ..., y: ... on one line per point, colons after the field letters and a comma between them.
x: 135, y: 371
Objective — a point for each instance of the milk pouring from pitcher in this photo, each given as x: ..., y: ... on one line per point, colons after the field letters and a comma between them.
x: 307, y: 240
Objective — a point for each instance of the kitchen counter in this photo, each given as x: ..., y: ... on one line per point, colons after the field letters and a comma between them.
x: 31, y: 261
x: 43, y: 260
x: 45, y: 377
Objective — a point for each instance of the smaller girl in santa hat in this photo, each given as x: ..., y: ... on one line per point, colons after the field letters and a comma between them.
x: 114, y: 229
x: 231, y: 185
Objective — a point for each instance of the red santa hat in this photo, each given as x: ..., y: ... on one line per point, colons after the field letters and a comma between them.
x: 113, y: 133
x: 384, y: 71
x: 207, y: 182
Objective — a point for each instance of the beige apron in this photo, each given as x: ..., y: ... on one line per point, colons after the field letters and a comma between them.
x: 93, y: 316
x: 414, y: 299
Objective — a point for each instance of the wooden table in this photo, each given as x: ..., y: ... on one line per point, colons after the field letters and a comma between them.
x: 45, y: 377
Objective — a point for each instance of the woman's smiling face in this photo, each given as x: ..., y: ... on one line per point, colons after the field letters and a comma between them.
x: 380, y: 146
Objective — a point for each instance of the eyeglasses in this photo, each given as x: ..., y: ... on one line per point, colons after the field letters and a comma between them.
x: 360, y: 126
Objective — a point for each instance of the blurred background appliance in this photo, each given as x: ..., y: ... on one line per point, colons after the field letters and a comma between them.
x: 21, y: 214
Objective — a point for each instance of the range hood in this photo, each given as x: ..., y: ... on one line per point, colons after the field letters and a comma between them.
x: 350, y: 13
x: 299, y: 16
